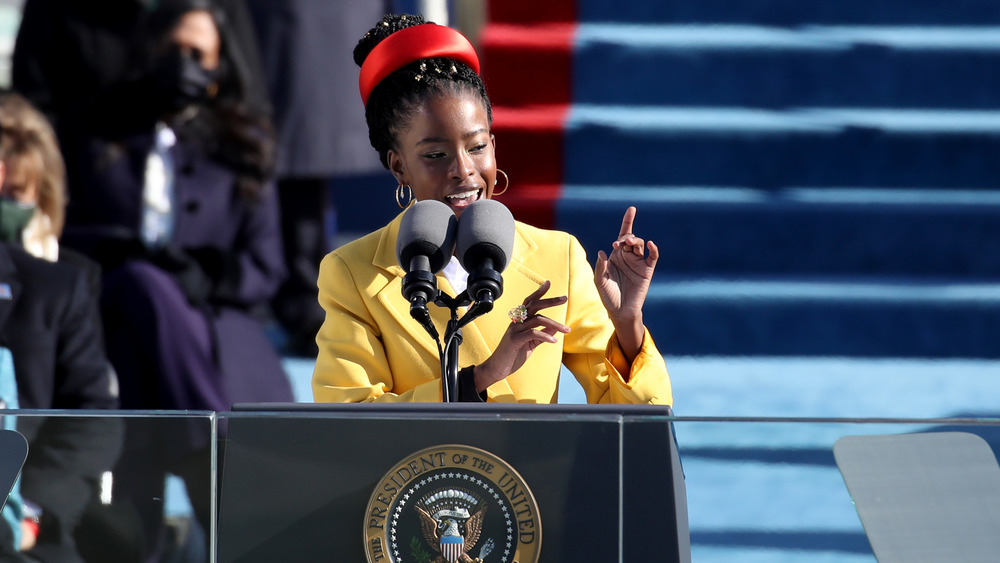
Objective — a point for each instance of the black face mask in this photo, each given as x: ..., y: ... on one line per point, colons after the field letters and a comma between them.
x: 179, y: 80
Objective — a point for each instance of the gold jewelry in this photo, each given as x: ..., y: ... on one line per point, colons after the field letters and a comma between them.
x: 518, y: 314
x: 506, y: 183
x: 401, y: 191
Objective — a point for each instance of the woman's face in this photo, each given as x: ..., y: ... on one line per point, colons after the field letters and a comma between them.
x: 19, y: 184
x: 447, y: 152
x: 196, y: 33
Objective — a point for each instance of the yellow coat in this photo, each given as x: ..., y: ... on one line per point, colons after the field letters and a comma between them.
x: 370, y: 349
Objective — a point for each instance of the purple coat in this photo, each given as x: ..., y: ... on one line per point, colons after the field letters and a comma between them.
x: 207, y: 355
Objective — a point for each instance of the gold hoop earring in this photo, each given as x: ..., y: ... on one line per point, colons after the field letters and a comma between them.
x: 401, y: 191
x: 506, y: 183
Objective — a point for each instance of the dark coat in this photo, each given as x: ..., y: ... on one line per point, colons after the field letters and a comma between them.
x: 306, y: 52
x: 234, y: 238
x: 48, y: 324
x: 69, y: 56
x: 105, y: 212
x: 47, y: 321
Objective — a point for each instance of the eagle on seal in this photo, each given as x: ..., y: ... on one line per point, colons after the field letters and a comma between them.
x: 450, y: 543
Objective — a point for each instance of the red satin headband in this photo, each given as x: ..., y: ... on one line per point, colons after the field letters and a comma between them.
x: 412, y: 44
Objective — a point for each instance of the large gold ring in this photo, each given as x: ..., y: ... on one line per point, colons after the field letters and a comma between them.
x: 518, y: 314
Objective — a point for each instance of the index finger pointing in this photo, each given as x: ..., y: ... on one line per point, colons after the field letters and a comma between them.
x: 627, y: 221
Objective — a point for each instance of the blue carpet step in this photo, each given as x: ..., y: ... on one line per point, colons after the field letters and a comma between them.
x: 904, y: 318
x: 652, y: 145
x: 806, y: 231
x: 792, y: 12
x: 752, y: 66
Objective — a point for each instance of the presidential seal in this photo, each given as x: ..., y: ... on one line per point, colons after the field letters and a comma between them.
x: 452, y: 504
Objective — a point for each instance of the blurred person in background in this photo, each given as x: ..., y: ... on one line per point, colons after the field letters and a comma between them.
x: 178, y: 207
x: 182, y: 215
x: 305, y: 52
x: 49, y: 325
x: 82, y: 63
x: 36, y: 176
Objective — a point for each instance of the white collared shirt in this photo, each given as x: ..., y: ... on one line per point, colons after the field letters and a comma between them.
x: 158, y: 189
x: 456, y: 275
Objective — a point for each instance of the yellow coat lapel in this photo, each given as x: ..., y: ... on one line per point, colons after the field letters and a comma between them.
x: 479, y: 338
x: 391, y: 296
x: 482, y: 336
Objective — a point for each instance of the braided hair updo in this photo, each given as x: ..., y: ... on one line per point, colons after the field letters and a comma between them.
x: 393, y: 101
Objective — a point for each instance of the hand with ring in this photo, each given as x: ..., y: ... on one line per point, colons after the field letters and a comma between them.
x: 518, y: 314
x: 527, y: 330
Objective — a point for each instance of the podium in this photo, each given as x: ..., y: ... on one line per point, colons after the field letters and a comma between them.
x: 552, y: 483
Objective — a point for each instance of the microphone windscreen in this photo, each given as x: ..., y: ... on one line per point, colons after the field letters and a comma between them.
x: 485, y: 232
x: 427, y: 229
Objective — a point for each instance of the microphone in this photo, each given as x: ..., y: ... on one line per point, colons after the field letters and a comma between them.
x: 424, y: 245
x: 485, y: 243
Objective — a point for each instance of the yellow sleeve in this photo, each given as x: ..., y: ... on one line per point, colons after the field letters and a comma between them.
x: 647, y: 382
x: 592, y: 352
x: 352, y: 366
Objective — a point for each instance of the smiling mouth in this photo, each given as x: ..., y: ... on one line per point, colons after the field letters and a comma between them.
x: 464, y: 198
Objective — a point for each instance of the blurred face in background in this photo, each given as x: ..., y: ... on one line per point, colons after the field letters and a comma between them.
x: 20, y: 182
x: 34, y: 174
x: 185, y: 71
x: 197, y: 36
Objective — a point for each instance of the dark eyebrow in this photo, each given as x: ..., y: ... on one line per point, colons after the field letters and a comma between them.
x: 469, y: 135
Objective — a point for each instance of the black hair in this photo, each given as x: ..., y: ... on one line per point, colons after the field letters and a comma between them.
x: 394, y: 99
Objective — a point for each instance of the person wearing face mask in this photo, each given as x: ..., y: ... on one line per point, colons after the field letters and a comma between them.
x: 83, y: 64
x: 181, y: 79
x: 49, y: 324
x: 33, y: 194
x: 15, y: 215
x: 182, y: 216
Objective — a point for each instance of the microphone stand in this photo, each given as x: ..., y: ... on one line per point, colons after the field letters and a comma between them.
x: 453, y: 337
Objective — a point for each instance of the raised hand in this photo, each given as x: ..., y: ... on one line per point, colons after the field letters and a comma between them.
x: 623, y: 280
x: 521, y: 338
